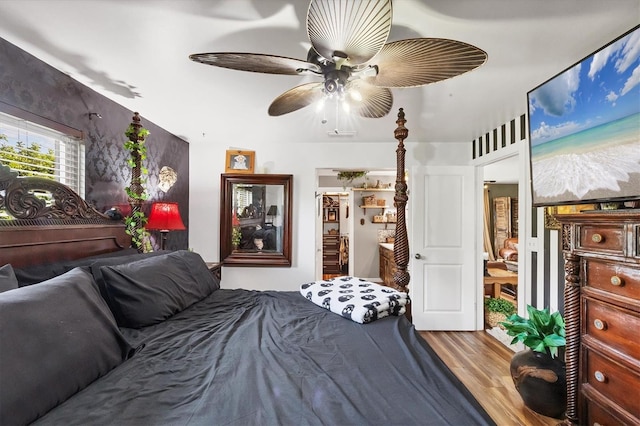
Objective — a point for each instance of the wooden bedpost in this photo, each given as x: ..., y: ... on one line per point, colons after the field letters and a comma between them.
x: 401, y: 242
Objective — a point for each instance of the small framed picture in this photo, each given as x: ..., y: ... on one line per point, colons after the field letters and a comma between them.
x: 332, y: 217
x: 240, y: 161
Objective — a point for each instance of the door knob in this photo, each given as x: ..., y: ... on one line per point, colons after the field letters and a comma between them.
x: 418, y: 256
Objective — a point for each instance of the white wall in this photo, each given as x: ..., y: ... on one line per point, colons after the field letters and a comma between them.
x: 297, y: 158
x: 300, y: 159
x: 540, y: 266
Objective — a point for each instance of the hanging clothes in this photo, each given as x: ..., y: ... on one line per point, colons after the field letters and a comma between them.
x: 344, y: 250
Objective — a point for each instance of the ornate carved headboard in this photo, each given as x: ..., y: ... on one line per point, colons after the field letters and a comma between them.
x: 34, y: 231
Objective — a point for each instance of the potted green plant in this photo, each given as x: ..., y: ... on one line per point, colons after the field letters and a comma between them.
x: 497, y: 310
x: 539, y: 372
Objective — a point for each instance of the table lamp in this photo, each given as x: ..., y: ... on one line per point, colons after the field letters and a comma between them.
x: 272, y: 213
x: 165, y: 217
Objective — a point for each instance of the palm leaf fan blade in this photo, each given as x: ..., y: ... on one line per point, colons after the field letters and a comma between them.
x: 376, y: 101
x: 359, y: 29
x: 376, y: 107
x: 296, y: 98
x: 420, y: 61
x: 255, y: 62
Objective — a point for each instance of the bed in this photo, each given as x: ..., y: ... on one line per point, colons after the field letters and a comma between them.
x: 93, y: 332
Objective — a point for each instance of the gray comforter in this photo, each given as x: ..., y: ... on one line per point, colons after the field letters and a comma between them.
x: 242, y: 357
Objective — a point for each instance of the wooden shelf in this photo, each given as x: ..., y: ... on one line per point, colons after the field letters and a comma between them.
x: 375, y: 189
x: 375, y: 207
x: 331, y: 236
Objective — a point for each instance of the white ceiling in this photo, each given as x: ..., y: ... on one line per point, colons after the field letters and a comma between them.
x: 136, y: 53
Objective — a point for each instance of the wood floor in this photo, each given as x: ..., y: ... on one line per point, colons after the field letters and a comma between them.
x: 481, y: 362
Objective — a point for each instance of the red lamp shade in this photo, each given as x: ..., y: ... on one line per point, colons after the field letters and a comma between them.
x: 165, y: 217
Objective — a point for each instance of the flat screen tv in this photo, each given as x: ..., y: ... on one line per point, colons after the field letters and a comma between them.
x: 584, y: 129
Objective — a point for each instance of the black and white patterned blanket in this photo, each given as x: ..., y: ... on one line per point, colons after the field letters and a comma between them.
x: 355, y: 298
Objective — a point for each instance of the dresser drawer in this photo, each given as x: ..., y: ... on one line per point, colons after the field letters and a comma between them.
x: 598, y: 415
x: 331, y: 269
x: 331, y: 255
x: 602, y: 238
x: 615, y: 327
x: 330, y: 248
x: 330, y: 241
x: 613, y: 380
x: 616, y: 278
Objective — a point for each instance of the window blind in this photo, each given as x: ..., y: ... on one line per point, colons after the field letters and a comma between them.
x: 31, y: 149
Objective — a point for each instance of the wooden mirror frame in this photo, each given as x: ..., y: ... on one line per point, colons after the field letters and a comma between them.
x: 231, y: 256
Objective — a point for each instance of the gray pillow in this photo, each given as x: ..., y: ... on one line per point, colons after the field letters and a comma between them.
x: 36, y: 274
x: 8, y: 280
x: 56, y: 338
x: 94, y: 264
x: 113, y: 258
x: 149, y: 291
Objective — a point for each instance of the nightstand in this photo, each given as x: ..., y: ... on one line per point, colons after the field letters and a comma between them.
x: 215, y: 268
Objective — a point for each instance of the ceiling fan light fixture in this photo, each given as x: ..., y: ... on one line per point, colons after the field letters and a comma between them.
x: 339, y: 59
x: 367, y: 72
x: 307, y: 71
x: 350, y: 52
x: 331, y: 86
x: 339, y: 55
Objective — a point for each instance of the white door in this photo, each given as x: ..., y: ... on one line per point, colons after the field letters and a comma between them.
x: 443, y: 260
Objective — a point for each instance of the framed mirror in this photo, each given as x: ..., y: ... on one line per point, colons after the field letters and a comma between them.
x: 255, y: 219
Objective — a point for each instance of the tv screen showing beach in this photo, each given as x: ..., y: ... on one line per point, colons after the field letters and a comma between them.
x: 584, y: 129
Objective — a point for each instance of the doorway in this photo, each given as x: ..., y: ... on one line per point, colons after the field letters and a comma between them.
x: 501, y: 231
x: 335, y: 234
x: 348, y: 231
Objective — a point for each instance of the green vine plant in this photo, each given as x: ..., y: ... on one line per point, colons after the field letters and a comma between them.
x: 136, y: 221
x: 236, y: 236
x: 349, y: 175
x: 135, y: 144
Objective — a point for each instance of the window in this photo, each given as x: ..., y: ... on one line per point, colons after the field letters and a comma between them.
x: 35, y: 150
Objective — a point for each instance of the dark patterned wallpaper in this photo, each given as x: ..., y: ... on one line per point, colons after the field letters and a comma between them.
x: 34, y: 86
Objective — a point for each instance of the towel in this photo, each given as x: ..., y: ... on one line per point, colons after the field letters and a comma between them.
x: 355, y: 298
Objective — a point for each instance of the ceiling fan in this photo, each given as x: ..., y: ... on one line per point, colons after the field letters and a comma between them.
x: 350, y: 53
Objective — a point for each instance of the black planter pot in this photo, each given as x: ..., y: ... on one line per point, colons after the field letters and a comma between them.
x: 541, y: 382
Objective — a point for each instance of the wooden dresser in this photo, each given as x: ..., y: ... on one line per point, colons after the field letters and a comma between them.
x: 331, y: 265
x: 602, y: 315
x: 387, y: 266
x: 331, y: 254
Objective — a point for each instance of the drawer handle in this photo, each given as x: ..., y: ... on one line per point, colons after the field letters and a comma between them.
x: 617, y: 281
x: 599, y: 324
x: 596, y: 238
x: 599, y: 375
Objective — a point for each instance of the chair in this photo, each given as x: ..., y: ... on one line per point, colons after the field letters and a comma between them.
x: 510, y: 250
